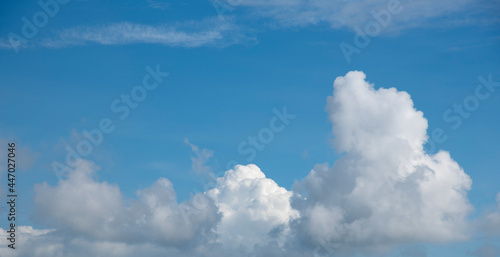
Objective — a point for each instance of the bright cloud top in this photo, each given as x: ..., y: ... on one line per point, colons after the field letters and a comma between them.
x: 384, y: 191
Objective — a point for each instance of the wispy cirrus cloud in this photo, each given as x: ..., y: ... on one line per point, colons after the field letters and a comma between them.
x: 130, y: 33
x: 342, y: 13
x: 158, y: 4
x: 188, y: 34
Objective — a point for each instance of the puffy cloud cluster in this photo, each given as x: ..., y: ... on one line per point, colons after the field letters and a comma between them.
x: 385, y: 190
x: 83, y: 206
x: 244, y: 211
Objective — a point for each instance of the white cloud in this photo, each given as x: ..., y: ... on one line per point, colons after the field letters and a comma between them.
x: 342, y: 13
x: 80, y: 203
x: 130, y: 33
x: 82, y: 206
x: 252, y: 207
x: 254, y: 211
x: 385, y: 189
x: 208, y: 32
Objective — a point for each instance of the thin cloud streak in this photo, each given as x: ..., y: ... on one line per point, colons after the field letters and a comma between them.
x: 130, y: 33
x: 349, y: 14
x: 188, y: 34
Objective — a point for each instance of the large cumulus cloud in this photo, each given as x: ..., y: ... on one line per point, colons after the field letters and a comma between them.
x: 385, y: 189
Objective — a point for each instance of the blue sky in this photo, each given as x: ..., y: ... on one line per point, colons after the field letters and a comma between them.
x: 228, y: 70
